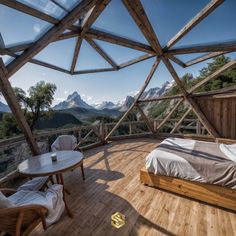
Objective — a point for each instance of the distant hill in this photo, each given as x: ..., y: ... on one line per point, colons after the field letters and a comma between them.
x: 85, y: 114
x: 58, y: 120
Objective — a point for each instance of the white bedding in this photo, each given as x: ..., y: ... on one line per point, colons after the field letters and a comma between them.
x: 165, y: 163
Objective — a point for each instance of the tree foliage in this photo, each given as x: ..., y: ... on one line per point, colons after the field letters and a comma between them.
x: 36, y: 105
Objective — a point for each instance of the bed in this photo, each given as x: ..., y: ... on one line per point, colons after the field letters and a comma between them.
x: 205, y: 171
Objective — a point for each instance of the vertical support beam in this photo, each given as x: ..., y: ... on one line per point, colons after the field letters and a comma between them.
x: 181, y: 120
x: 169, y: 114
x: 145, y: 118
x: 12, y: 101
x: 76, y: 54
x: 148, y: 79
x: 201, y: 116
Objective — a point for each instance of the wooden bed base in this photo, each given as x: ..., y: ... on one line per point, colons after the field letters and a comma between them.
x: 213, y: 194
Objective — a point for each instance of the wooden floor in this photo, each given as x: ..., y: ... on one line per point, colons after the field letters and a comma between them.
x: 112, y: 184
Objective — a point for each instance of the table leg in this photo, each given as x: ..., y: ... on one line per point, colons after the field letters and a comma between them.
x: 64, y: 196
x: 82, y: 170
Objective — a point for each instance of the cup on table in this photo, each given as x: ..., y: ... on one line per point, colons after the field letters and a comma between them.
x: 54, y: 157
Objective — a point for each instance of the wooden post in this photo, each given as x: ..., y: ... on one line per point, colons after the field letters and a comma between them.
x: 148, y: 79
x: 13, y: 103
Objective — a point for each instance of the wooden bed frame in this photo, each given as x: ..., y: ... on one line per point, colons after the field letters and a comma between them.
x: 213, y: 194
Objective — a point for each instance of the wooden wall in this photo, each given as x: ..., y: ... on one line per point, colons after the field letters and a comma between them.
x: 221, y: 112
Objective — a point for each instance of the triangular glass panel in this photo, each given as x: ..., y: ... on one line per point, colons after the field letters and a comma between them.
x: 116, y: 20
x: 168, y: 17
x: 118, y: 53
x: 45, y: 6
x: 59, y: 53
x: 7, y: 59
x: 68, y: 4
x: 89, y: 59
x: 217, y: 27
x: 23, y: 28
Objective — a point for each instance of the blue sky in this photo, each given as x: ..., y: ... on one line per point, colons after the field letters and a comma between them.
x: 167, y: 18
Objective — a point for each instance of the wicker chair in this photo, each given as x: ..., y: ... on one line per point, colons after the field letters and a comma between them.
x: 67, y: 142
x: 21, y: 220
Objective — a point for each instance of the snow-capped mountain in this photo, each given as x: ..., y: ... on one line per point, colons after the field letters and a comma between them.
x: 104, y: 105
x: 4, y: 107
x: 73, y: 100
x: 127, y: 103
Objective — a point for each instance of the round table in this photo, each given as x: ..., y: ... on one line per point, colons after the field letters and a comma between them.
x: 42, y: 165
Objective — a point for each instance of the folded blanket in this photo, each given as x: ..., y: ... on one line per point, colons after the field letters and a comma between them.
x: 52, y: 199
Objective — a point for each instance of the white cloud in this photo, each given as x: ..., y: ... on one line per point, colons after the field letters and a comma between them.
x: 60, y: 99
x: 37, y: 28
x: 65, y: 92
x: 87, y: 98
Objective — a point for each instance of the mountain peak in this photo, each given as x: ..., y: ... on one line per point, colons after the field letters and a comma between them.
x: 73, y: 96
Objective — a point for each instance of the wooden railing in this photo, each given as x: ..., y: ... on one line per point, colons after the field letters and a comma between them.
x: 14, y: 150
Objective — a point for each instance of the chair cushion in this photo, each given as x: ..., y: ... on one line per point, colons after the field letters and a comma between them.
x: 5, y: 202
x: 34, y: 185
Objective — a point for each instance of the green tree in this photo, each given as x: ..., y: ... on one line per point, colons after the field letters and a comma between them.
x: 34, y: 106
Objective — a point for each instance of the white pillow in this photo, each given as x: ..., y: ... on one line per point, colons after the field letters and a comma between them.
x: 229, y: 151
x: 5, y: 202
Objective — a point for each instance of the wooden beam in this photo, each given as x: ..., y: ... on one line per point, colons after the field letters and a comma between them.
x: 177, y: 61
x: 33, y: 12
x: 175, y: 76
x: 13, y: 103
x: 201, y: 116
x: 93, y: 14
x: 181, y: 120
x: 150, y: 127
x: 136, y: 60
x: 214, y: 75
x: 93, y: 71
x: 216, y: 47
x: 137, y: 12
x: 101, y: 52
x: 210, y: 7
x: 146, y: 82
x: 204, y: 58
x: 76, y: 54
x: 161, y: 98
x: 49, y: 36
x: 170, y: 114
x: 114, y: 39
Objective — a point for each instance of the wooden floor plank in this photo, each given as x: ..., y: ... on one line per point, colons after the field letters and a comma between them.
x: 112, y: 184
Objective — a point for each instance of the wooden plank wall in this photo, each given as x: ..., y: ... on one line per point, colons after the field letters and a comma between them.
x: 221, y: 112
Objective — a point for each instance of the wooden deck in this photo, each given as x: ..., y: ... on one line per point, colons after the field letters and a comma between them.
x: 112, y: 184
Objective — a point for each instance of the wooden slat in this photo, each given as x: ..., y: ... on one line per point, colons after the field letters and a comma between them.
x: 49, y: 36
x: 93, y: 71
x: 111, y: 38
x: 136, y: 60
x: 145, y: 118
x: 181, y: 120
x: 101, y: 52
x: 146, y: 82
x: 161, y: 98
x: 137, y: 12
x: 13, y: 103
x: 210, y: 7
x: 216, y: 47
x: 76, y: 54
x: 169, y: 114
x: 214, y: 75
x: 177, y: 61
x: 204, y: 58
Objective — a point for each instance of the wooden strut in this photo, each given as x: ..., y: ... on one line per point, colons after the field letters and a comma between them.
x: 145, y: 118
x: 169, y: 114
x: 146, y: 82
x: 13, y: 103
x: 201, y: 116
x: 181, y: 120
